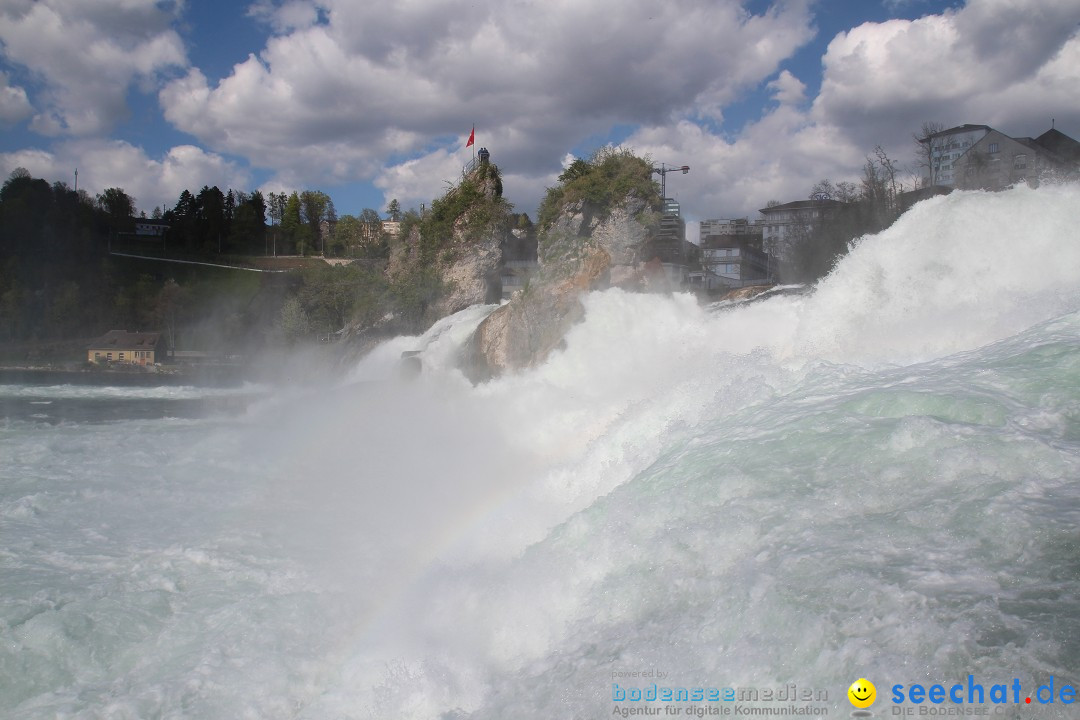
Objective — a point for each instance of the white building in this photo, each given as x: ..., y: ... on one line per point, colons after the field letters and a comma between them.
x: 738, y: 226
x: 998, y: 161
x: 978, y: 156
x: 946, y: 147
x: 150, y: 228
x: 783, y: 222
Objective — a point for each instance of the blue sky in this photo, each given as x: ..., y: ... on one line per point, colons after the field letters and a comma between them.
x: 369, y: 101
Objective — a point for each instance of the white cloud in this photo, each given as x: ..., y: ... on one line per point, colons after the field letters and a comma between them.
x: 780, y: 157
x: 14, y: 105
x: 417, y: 181
x: 287, y: 16
x: 788, y: 89
x: 152, y: 182
x: 87, y: 55
x: 961, y: 66
x: 331, y: 100
x: 346, y: 91
x: 337, y: 93
x: 880, y: 82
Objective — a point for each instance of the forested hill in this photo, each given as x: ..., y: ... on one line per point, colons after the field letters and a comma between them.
x: 58, y: 281
x: 53, y: 246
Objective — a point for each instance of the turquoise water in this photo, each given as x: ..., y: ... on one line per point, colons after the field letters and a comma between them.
x: 876, y: 479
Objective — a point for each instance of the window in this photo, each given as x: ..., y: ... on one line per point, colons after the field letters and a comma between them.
x: 108, y: 356
x: 993, y: 147
x: 1020, y: 162
x: 97, y: 356
x: 121, y: 356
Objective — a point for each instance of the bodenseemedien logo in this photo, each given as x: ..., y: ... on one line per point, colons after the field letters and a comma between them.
x: 700, y: 701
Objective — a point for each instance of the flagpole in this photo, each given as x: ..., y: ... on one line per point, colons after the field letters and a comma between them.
x: 471, y: 142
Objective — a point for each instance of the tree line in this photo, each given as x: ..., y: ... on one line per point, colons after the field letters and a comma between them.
x: 303, y: 222
x: 59, y: 282
x: 56, y: 277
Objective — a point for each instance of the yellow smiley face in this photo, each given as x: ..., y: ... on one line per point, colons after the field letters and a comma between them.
x: 862, y: 693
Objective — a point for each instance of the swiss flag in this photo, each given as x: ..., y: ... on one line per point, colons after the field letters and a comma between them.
x: 472, y: 137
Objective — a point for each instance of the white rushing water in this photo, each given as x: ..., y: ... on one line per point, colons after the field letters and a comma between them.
x: 876, y: 479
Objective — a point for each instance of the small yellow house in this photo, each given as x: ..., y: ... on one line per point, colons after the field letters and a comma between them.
x: 120, y: 346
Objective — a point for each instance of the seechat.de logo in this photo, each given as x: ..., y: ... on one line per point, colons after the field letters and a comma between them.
x: 862, y: 694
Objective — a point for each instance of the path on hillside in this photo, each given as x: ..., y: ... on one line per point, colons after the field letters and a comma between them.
x: 329, y: 261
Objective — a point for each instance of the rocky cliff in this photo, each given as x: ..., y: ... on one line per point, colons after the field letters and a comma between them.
x: 470, y: 272
x: 449, y: 257
x: 593, y: 226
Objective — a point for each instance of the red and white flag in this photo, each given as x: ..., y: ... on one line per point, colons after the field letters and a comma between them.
x: 472, y: 137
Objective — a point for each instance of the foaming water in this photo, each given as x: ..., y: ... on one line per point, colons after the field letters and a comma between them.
x: 874, y: 479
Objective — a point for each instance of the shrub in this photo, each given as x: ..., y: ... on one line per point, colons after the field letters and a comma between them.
x: 605, y: 179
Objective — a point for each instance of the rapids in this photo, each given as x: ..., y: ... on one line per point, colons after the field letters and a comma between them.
x: 874, y: 479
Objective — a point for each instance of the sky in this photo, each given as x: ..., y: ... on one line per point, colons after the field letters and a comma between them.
x: 374, y: 100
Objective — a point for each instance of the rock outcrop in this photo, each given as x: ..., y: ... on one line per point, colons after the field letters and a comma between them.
x: 451, y: 256
x: 471, y: 277
x: 584, y: 248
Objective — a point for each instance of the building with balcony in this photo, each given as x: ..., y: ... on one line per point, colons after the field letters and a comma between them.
x: 945, y: 148
x: 670, y: 249
x: 998, y: 161
x: 978, y: 156
x: 784, y: 223
x: 732, y: 255
x: 739, y: 227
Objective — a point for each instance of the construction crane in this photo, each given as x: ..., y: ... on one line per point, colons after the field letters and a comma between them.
x: 663, y: 170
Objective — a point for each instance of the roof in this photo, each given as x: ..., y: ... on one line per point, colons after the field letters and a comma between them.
x: 1060, y: 143
x: 801, y: 205
x: 958, y: 129
x: 1036, y: 147
x: 124, y: 340
x: 724, y: 242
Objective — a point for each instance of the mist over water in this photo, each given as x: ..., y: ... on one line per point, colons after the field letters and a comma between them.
x: 875, y: 479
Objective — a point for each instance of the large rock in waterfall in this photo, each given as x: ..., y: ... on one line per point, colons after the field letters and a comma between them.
x: 450, y: 257
x: 592, y: 228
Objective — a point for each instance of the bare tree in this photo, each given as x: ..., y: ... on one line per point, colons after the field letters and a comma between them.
x: 889, y: 171
x: 976, y: 164
x: 823, y: 189
x: 926, y: 145
x: 879, y: 188
x: 847, y: 191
